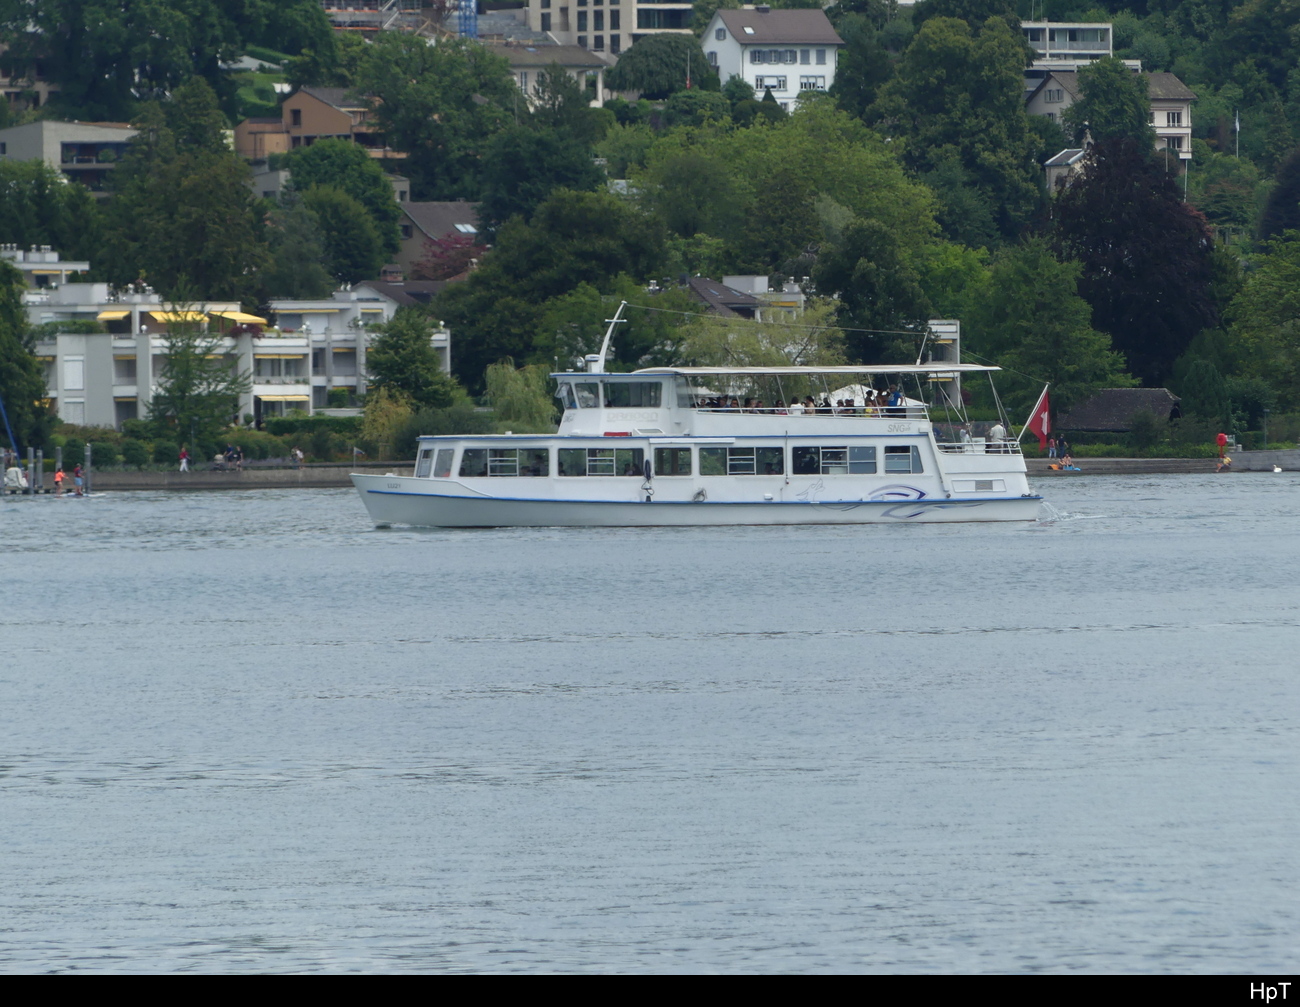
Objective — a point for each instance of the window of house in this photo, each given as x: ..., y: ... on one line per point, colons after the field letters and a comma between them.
x: 546, y: 4
x: 1174, y: 142
x: 713, y: 58
x: 582, y: 20
x: 407, y: 231
x: 546, y: 22
x: 582, y: 39
x: 124, y: 370
x: 756, y: 55
x: 775, y: 83
x: 789, y: 56
x: 598, y: 43
x: 614, y: 18
x: 598, y: 23
x: 1173, y: 118
x: 805, y: 56
x: 821, y: 57
x: 720, y: 34
x: 615, y: 43
x: 1056, y: 94
x: 295, y: 117
x: 74, y: 374
x: 812, y: 83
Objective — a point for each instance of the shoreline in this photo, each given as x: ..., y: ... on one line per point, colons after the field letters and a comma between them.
x: 322, y: 475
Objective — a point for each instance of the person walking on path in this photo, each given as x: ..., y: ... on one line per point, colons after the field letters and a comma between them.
x: 185, y: 459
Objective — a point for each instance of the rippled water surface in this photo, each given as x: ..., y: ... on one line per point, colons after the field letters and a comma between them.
x: 249, y: 732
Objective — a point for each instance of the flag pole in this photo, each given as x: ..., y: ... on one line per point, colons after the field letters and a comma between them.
x: 1033, y: 412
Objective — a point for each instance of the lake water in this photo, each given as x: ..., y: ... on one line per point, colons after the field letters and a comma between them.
x: 250, y: 732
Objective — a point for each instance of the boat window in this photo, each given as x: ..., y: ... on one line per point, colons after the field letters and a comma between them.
x: 601, y: 461
x: 424, y: 464
x: 474, y: 462
x: 633, y: 394
x: 672, y: 461
x: 588, y: 395
x: 442, y: 467
x: 832, y: 461
x: 505, y: 462
x: 565, y: 394
x: 862, y: 460
x: 742, y: 461
x: 902, y: 459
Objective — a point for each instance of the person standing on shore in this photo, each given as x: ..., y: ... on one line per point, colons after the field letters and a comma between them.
x: 185, y: 459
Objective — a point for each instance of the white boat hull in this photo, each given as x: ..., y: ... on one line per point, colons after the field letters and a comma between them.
x: 403, y: 500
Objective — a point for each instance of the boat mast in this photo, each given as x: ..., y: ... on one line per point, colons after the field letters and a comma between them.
x: 596, y: 362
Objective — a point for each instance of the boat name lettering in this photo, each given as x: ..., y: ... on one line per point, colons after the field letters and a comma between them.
x: 634, y: 417
x: 393, y: 486
x: 900, y: 428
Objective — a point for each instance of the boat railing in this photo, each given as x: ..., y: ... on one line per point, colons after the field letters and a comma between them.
x: 979, y: 446
x: 911, y: 411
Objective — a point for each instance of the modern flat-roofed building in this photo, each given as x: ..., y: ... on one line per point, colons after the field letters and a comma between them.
x: 84, y: 151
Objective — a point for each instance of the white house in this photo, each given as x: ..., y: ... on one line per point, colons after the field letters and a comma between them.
x: 1170, y: 115
x: 786, y: 51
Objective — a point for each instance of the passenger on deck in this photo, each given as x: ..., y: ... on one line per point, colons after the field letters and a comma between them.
x: 796, y: 407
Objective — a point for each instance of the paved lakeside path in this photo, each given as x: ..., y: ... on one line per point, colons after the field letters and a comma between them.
x: 325, y: 476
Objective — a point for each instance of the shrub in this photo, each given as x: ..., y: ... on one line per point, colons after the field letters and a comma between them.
x: 136, y: 453
x: 338, y: 398
x: 166, y: 452
x: 103, y: 453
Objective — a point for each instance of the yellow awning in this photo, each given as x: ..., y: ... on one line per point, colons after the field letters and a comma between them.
x: 344, y: 349
x: 111, y: 316
x: 283, y: 398
x: 178, y: 316
x: 311, y: 311
x: 123, y: 356
x: 48, y: 272
x: 239, y: 317
x: 372, y: 311
x: 123, y: 398
x: 281, y: 356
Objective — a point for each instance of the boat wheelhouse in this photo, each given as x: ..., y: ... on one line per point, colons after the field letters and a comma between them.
x: 720, y: 446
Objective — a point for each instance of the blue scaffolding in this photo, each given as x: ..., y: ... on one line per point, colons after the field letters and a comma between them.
x: 467, y: 19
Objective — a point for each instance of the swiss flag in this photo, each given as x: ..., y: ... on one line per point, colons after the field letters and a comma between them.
x: 1040, y: 420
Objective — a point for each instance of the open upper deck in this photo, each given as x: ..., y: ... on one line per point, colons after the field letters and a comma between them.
x: 758, y: 401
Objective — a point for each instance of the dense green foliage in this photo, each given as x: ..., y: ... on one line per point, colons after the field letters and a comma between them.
x: 914, y: 190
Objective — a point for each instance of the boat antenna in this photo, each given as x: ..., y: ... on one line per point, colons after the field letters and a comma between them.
x: 920, y: 356
x: 596, y: 363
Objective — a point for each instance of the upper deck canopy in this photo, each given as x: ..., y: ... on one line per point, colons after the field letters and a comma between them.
x: 848, y: 369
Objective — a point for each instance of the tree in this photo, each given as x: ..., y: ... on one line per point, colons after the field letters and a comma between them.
x: 1029, y: 318
x: 696, y: 108
x: 1265, y: 315
x: 879, y: 291
x: 1205, y: 394
x: 1282, y: 211
x: 862, y: 66
x: 439, y: 103
x: 1148, y: 265
x: 975, y: 13
x: 1113, y: 103
x: 571, y: 239
x: 521, y: 398
x: 403, y: 362
x: 811, y: 340
x: 348, y: 167
x: 960, y: 92
x: 353, y: 248
x: 522, y: 167
x: 198, y: 390
x: 447, y: 257
x: 296, y: 253
x: 183, y: 216
x: 22, y: 385
x: 658, y: 65
x: 39, y: 206
x: 561, y: 104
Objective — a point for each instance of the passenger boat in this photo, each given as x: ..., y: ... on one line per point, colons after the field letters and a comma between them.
x: 698, y: 446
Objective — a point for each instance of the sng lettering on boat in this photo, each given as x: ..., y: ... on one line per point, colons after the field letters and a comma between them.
x: 900, y: 428
x: 633, y: 416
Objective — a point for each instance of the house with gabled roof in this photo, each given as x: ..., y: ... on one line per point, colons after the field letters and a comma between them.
x: 785, y: 51
x: 423, y: 222
x: 308, y: 115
